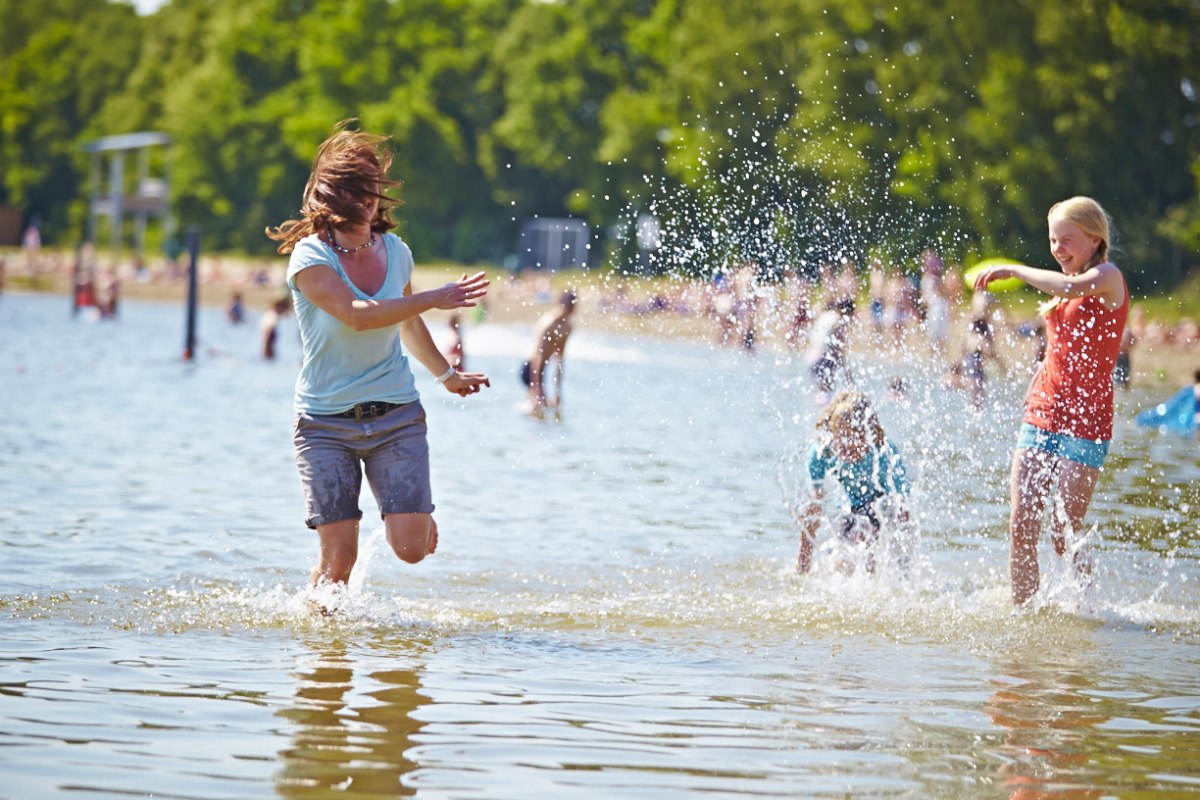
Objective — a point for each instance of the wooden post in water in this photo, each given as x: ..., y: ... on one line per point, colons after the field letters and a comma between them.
x: 193, y: 248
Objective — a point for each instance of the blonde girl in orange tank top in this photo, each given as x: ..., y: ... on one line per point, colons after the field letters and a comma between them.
x: 1067, y: 422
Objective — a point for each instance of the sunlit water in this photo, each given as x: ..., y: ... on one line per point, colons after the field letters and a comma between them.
x: 612, y: 611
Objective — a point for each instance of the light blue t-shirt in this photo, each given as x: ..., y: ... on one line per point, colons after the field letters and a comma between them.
x: 881, y: 471
x: 341, y: 366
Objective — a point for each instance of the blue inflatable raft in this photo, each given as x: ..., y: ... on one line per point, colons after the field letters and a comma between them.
x: 1177, y: 414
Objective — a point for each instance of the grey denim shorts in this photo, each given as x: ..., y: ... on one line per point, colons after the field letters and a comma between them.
x: 333, y: 452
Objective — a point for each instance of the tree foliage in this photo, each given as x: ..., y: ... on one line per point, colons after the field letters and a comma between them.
x: 785, y: 133
x: 60, y: 62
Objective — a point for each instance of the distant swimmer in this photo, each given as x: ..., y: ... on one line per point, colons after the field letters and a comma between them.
x: 454, y: 348
x: 550, y: 344
x: 828, y: 343
x: 235, y: 312
x: 269, y: 326
x: 852, y: 449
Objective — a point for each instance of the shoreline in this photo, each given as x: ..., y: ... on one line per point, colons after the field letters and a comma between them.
x: 519, y: 300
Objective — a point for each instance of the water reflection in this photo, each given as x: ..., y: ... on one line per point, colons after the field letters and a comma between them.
x: 349, y: 733
x: 1050, y: 720
x: 626, y: 626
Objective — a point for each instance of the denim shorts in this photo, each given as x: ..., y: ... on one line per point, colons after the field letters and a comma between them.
x: 332, y: 453
x: 1088, y: 452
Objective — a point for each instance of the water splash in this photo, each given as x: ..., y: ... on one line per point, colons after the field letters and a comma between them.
x: 752, y: 202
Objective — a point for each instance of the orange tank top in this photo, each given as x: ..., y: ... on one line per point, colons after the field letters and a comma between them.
x: 1072, y: 392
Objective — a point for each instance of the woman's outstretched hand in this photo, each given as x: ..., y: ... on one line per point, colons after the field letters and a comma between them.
x: 462, y: 293
x: 466, y: 383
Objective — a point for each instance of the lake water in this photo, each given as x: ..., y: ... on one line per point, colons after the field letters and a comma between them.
x: 612, y: 611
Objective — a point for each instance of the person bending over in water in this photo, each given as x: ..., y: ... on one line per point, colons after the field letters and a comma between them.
x: 852, y: 449
x: 356, y: 400
x: 550, y: 343
x: 1067, y: 424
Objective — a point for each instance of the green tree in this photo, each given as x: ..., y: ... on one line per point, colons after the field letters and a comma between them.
x: 764, y: 157
x: 788, y: 134
x: 205, y: 75
x: 999, y: 112
x: 59, y: 61
x: 248, y: 89
x: 435, y: 104
x: 552, y: 70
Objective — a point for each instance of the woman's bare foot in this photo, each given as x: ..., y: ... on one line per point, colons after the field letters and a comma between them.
x: 316, y: 609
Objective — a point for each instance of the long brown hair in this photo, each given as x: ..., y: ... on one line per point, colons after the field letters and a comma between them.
x: 349, y: 167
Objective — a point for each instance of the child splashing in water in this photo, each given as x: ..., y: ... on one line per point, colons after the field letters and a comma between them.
x: 1067, y: 424
x: 853, y: 449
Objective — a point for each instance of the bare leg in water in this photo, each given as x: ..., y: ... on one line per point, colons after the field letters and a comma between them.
x: 1076, y: 484
x: 411, y: 536
x: 1029, y: 488
x: 1034, y: 473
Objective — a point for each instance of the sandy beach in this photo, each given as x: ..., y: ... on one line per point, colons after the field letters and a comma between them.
x: 642, y: 306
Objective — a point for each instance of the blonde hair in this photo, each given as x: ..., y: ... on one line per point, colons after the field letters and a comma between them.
x: 1093, y: 220
x: 850, y: 413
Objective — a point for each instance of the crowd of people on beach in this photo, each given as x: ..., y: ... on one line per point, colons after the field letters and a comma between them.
x: 932, y: 307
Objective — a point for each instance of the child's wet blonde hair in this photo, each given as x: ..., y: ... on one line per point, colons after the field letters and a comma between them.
x: 850, y: 414
x: 1093, y: 220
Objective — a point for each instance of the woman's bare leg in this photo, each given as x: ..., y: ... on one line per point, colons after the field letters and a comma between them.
x: 412, y: 536
x: 339, y: 551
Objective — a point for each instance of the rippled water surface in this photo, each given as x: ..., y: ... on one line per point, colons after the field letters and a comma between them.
x: 612, y: 610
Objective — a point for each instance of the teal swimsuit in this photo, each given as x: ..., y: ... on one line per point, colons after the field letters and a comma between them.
x: 881, y: 471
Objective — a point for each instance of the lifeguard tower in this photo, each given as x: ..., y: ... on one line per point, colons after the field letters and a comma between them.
x: 145, y: 196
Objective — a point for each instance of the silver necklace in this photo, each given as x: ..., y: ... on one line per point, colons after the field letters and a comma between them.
x: 348, y: 250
